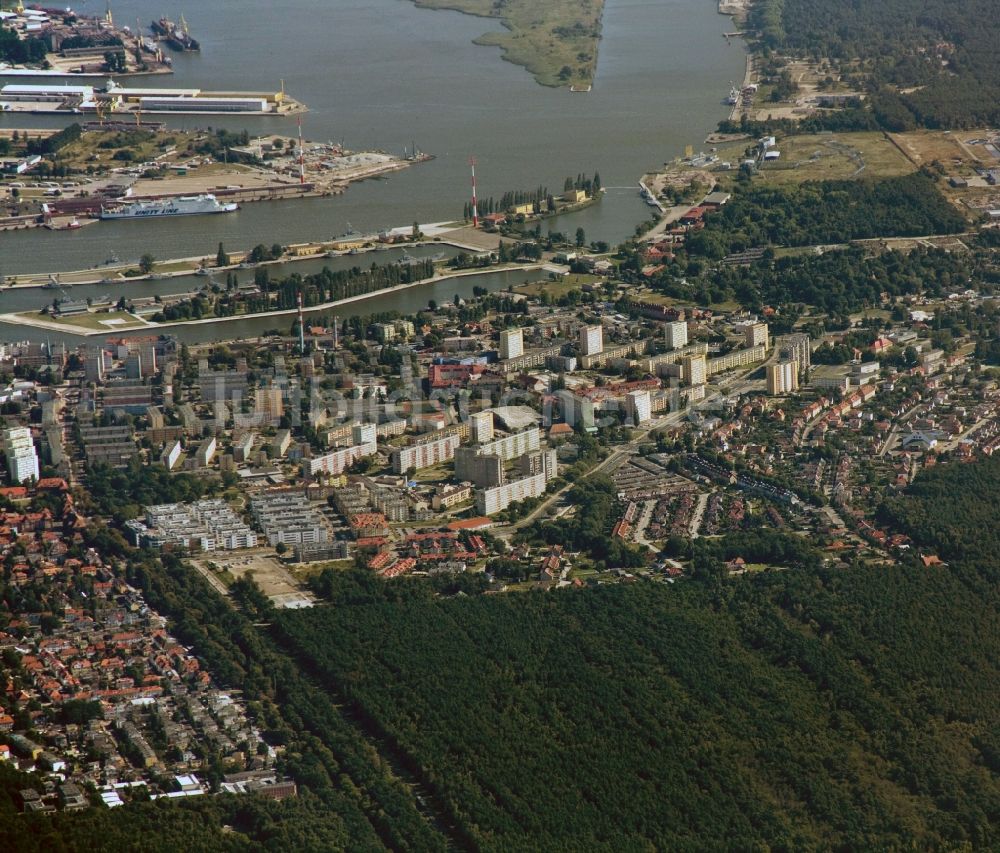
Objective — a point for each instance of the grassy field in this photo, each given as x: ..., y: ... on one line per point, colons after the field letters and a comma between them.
x: 555, y: 289
x: 942, y: 146
x: 94, y: 148
x: 103, y: 322
x: 842, y: 156
x: 555, y: 40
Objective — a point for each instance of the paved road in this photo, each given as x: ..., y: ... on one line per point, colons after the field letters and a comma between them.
x: 698, y: 514
x: 896, y: 424
x: 643, y: 523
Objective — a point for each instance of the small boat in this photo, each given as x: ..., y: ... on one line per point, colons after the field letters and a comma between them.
x: 203, y: 271
x: 73, y: 224
x: 54, y: 284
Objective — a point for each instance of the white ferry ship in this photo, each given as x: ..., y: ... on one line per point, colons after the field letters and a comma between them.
x: 183, y: 206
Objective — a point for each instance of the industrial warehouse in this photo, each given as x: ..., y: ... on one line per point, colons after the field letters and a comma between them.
x: 114, y: 99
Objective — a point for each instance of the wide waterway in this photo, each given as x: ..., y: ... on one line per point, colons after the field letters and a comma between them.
x: 383, y: 73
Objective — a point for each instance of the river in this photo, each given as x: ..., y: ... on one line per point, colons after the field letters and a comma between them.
x: 383, y: 74
x: 406, y: 301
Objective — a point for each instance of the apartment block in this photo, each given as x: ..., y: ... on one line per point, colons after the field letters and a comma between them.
x: 269, y: 405
x: 694, y: 369
x: 534, y: 358
x: 736, y: 358
x: 337, y: 461
x: 483, y: 470
x: 676, y: 334
x: 206, y: 525
x: 511, y: 343
x: 22, y: 459
x: 224, y: 385
x: 425, y: 454
x: 797, y: 347
x: 171, y: 453
x: 498, y: 498
x: 638, y: 407
x: 511, y: 446
x: 287, y: 517
x: 481, y: 427
x: 576, y: 411
x: 756, y: 335
x: 543, y: 462
x: 206, y: 452
x: 591, y: 340
x: 783, y: 377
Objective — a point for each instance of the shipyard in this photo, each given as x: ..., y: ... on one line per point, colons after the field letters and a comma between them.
x: 58, y: 42
x: 54, y: 45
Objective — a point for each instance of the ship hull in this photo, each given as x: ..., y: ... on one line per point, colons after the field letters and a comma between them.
x: 157, y: 214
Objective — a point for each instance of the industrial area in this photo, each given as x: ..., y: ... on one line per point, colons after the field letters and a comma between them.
x: 110, y: 169
x: 52, y: 43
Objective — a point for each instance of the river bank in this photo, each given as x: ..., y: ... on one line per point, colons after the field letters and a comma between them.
x: 117, y: 324
x: 434, y: 234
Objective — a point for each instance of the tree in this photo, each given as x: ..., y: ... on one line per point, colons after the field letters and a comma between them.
x: 581, y: 237
x: 221, y: 258
x: 146, y: 263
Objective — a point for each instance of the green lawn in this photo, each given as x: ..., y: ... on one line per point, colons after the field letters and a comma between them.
x: 88, y: 321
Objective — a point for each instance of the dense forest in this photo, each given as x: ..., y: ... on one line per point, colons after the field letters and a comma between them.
x: 951, y: 509
x: 851, y: 709
x: 228, y: 824
x: 824, y: 212
x: 796, y: 709
x: 929, y: 63
x: 837, y: 282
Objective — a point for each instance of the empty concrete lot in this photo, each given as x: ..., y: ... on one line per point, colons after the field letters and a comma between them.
x: 270, y: 575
